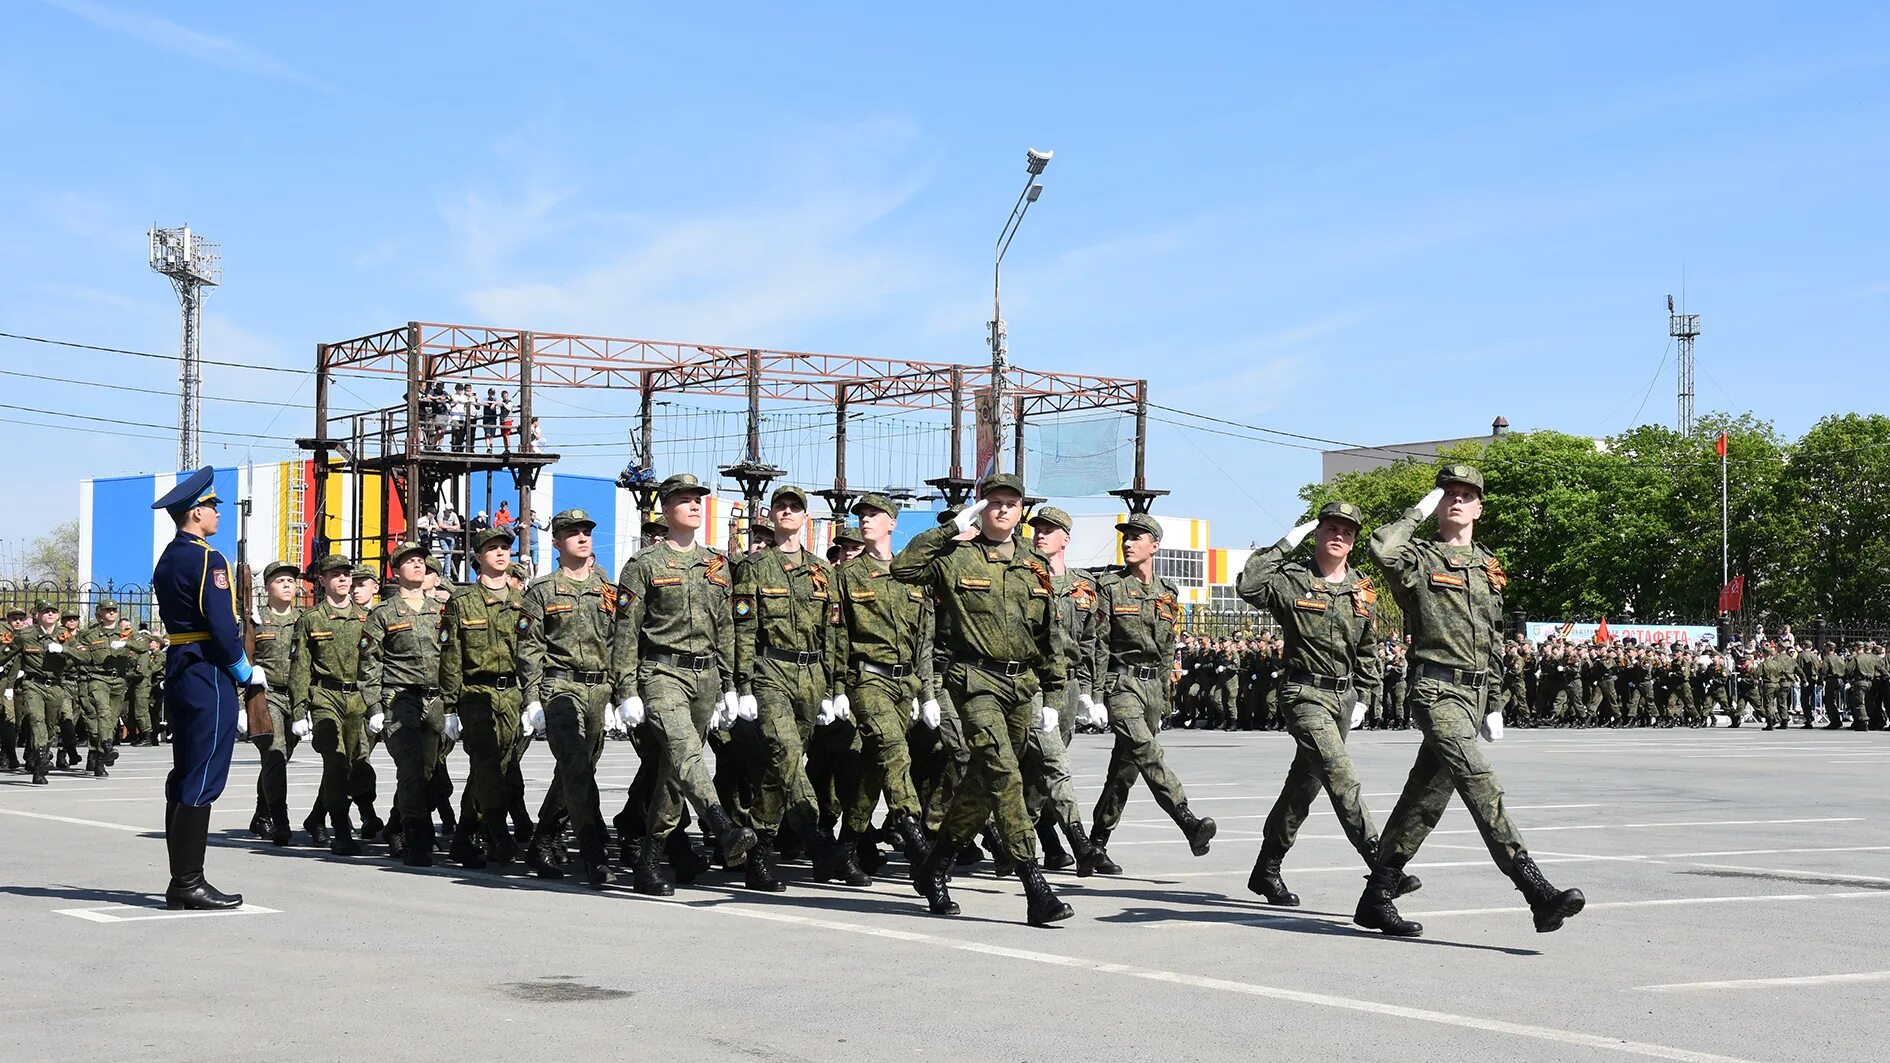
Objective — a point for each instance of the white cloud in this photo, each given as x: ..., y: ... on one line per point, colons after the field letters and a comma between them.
x: 223, y: 52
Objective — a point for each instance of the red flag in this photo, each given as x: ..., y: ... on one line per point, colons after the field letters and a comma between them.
x: 1719, y: 445
x: 1732, y: 595
x: 1601, y: 633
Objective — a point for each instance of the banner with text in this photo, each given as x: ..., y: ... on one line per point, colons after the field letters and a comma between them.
x: 1618, y: 631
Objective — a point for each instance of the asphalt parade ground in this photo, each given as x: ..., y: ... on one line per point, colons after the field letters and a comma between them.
x: 1738, y: 889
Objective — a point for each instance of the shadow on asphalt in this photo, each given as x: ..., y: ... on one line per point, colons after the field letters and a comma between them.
x: 129, y: 898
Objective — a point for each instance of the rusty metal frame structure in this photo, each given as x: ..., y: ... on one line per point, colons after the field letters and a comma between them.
x: 425, y: 352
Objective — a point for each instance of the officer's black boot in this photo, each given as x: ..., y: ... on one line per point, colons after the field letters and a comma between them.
x: 1199, y: 831
x: 593, y: 865
x: 733, y: 841
x: 1055, y: 857
x: 1099, y: 841
x: 185, y: 837
x: 1088, y: 857
x: 833, y: 861
x: 541, y: 857
x: 1266, y: 881
x: 1375, y: 909
x: 1001, y: 863
x: 758, y: 870
x: 417, y: 834
x: 647, y: 877
x: 1549, y: 905
x: 685, y: 861
x: 1044, y: 906
x: 464, y: 849
x: 930, y: 877
x: 343, y: 843
x: 1407, y: 883
x: 279, y: 833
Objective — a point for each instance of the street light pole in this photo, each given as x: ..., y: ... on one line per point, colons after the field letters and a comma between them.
x: 1034, y: 162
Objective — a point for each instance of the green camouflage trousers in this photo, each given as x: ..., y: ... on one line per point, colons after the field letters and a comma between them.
x: 997, y: 714
x: 1135, y: 715
x: 1319, y: 721
x: 1448, y: 760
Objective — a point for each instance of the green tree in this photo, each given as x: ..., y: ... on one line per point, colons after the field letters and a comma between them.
x: 1837, y: 485
x: 54, y: 557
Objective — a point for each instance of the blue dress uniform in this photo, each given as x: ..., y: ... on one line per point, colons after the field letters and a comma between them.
x: 203, y: 669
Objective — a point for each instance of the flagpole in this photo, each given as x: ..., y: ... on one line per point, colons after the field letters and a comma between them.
x: 1725, y: 549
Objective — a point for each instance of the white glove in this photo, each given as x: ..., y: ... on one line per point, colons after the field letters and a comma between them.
x: 1046, y: 719
x: 826, y: 715
x: 1098, y: 714
x: 1492, y: 729
x: 377, y: 723
x: 929, y: 712
x: 1298, y: 535
x: 118, y: 644
x: 631, y: 713
x: 301, y: 728
x: 969, y: 515
x: 258, y: 677
x: 914, y: 717
x: 8, y: 694
x: 1428, y: 504
x: 746, y: 708
x: 55, y: 647
x: 452, y: 726
x: 1358, y: 713
x: 842, y: 707
x: 534, y: 718
x: 242, y: 722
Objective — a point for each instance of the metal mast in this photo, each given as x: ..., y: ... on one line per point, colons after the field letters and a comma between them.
x: 192, y: 264
x: 1684, y: 328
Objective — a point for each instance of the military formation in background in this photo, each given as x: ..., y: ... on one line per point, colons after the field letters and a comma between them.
x: 872, y: 705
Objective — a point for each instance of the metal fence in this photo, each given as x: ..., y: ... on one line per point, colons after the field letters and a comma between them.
x: 135, y: 602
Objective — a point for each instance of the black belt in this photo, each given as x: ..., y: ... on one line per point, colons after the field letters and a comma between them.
x: 890, y: 671
x: 425, y: 691
x: 494, y: 680
x: 800, y: 657
x: 1457, y: 676
x: 1140, y: 671
x: 578, y: 676
x: 1010, y: 669
x: 1323, y: 682
x: 335, y: 684
x: 695, y: 662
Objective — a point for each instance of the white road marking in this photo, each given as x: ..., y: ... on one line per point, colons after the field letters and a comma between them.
x: 1663, y: 902
x: 1769, y: 983
x: 110, y: 913
x: 82, y: 822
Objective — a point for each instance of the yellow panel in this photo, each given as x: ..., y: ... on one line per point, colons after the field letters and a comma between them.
x: 373, y: 533
x: 284, y: 472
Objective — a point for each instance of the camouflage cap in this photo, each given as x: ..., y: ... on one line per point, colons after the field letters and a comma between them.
x: 108, y: 606
x: 1001, y: 480
x: 402, y: 552
x: 1052, y: 516
x: 492, y: 535
x: 434, y: 566
x: 763, y: 523
x: 331, y: 563
x: 519, y: 571
x: 656, y: 525
x: 275, y: 568
x: 16, y: 613
x: 1141, y: 522
x: 849, y: 533
x: 68, y: 615
x: 366, y: 571
x: 1343, y: 511
x: 1460, y: 474
x: 678, y: 484
x: 787, y: 491
x: 570, y: 520
x: 875, y: 501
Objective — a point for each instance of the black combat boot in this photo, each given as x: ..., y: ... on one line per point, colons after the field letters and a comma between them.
x: 279, y: 833
x: 1200, y: 831
x: 1055, y: 857
x: 522, y: 825
x: 1266, y: 881
x: 464, y: 849
x: 866, y: 854
x: 372, y: 825
x: 317, y: 829
x: 593, y: 864
x: 39, y: 759
x: 628, y: 846
x: 1375, y: 909
x: 647, y: 877
x: 449, y: 822
x: 8, y: 760
x: 929, y: 879
x: 758, y: 870
x: 912, y: 840
x: 733, y: 841
x: 417, y: 833
x: 1549, y: 905
x: 1044, y: 906
x: 970, y: 854
x: 259, y: 824
x: 1087, y: 855
x: 833, y: 861
x: 686, y: 862
x: 1002, y: 865
x: 185, y: 836
x: 542, y: 857
x: 1407, y: 883
x: 343, y: 843
x: 1099, y: 842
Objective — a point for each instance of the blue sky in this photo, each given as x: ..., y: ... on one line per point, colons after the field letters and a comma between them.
x: 1378, y: 226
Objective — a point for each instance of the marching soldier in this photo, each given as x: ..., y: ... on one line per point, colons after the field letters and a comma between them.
x: 1832, y: 667
x: 400, y: 682
x: 275, y: 642
x: 9, y: 714
x: 479, y: 681
x: 323, y: 687
x: 108, y: 658
x: 1140, y: 613
x: 39, y: 653
x: 1049, y: 793
x: 1451, y: 591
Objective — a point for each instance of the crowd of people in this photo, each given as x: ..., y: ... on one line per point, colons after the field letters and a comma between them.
x: 463, y: 422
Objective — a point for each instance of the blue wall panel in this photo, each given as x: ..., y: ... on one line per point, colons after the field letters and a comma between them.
x: 121, y: 530
x: 598, y: 497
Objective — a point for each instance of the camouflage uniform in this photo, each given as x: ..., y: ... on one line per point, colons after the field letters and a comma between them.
x: 400, y: 677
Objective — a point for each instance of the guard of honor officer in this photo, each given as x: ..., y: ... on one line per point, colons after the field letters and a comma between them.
x: 399, y: 677
x: 275, y: 639
x: 1451, y: 592
x: 1326, y: 610
x: 1140, y: 616
x: 204, y: 672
